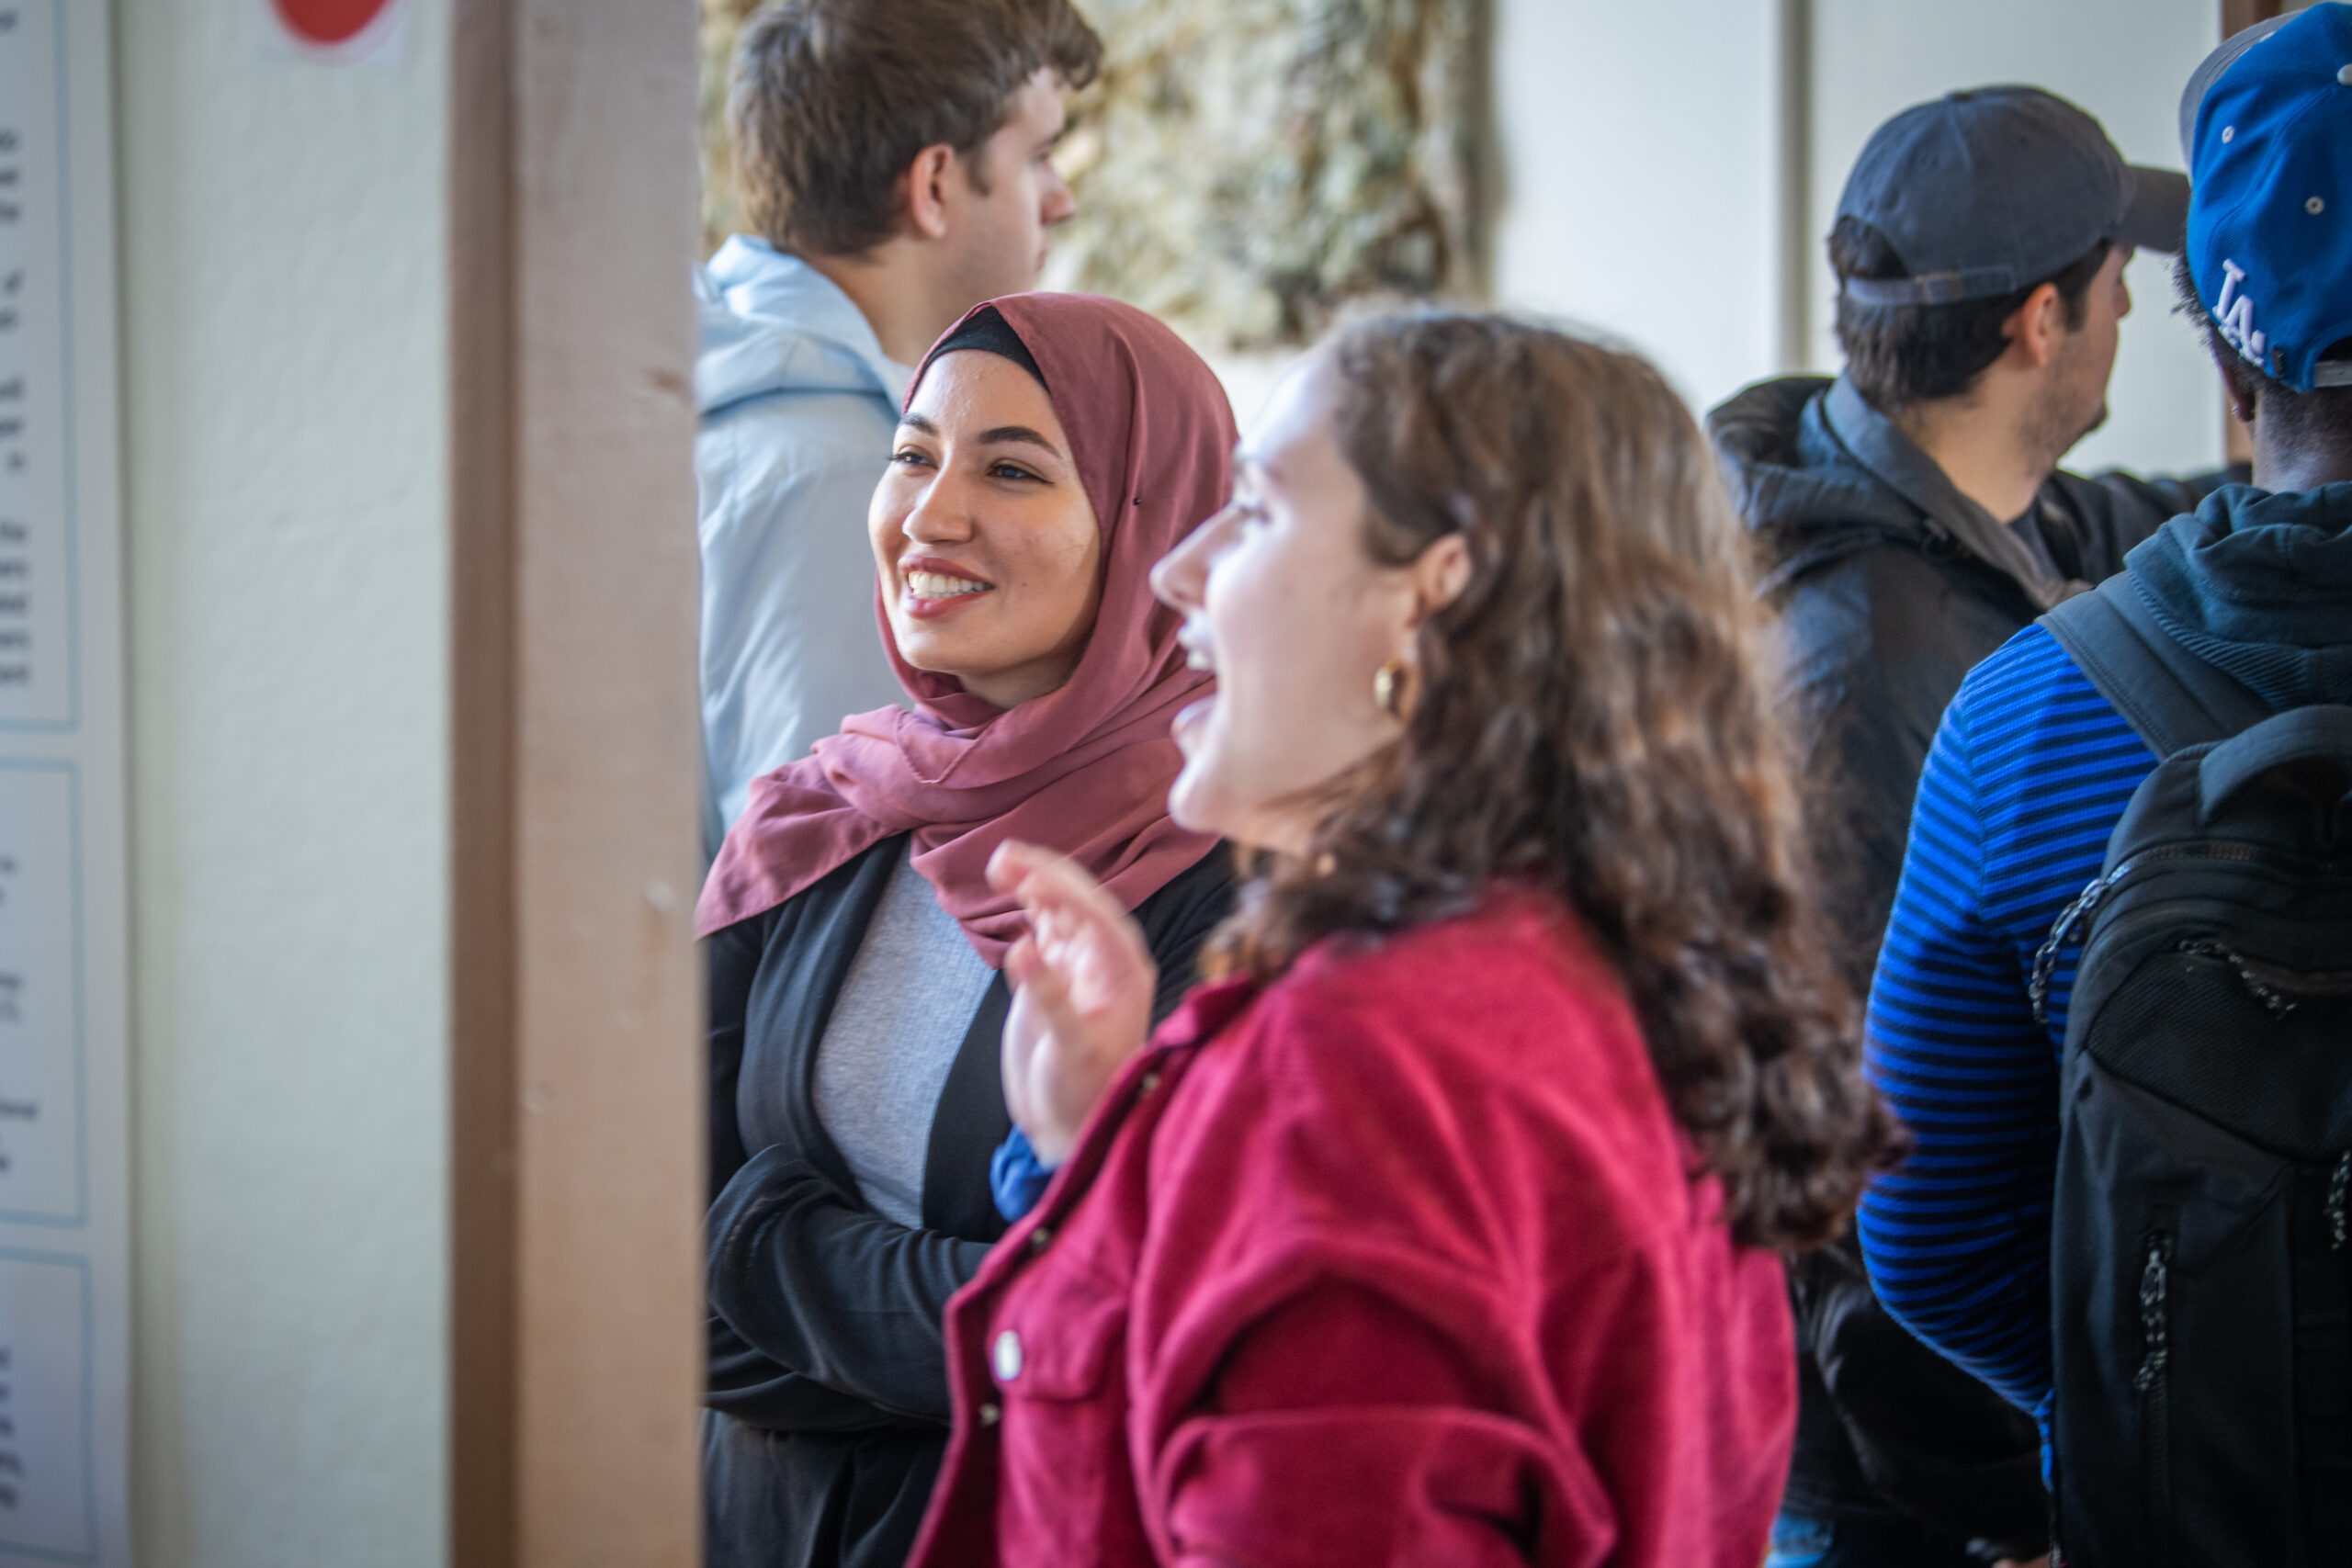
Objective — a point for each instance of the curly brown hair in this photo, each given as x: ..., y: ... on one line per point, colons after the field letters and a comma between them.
x: 1591, y: 715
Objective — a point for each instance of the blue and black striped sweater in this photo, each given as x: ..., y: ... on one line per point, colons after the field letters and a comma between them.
x: 2029, y: 772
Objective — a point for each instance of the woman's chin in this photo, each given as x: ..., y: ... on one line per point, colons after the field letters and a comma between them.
x: 1190, y: 728
x: 1189, y: 805
x: 925, y: 648
x: 1192, y: 798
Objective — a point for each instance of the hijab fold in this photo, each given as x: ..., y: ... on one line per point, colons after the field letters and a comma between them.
x: 1084, y: 768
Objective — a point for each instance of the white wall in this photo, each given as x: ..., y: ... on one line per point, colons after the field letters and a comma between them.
x: 283, y: 237
x: 2124, y: 61
x: 1642, y: 207
x: 1643, y: 187
x: 1639, y: 178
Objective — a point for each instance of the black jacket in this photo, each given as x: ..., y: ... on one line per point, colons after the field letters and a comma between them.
x: 1891, y: 586
x: 1886, y: 1426
x: 828, y: 1372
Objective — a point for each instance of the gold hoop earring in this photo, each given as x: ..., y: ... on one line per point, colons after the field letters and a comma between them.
x: 1388, y: 688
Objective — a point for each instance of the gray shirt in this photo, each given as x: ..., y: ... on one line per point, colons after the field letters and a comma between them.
x: 901, y: 1018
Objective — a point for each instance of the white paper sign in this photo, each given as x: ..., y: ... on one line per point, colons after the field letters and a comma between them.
x: 65, y: 1167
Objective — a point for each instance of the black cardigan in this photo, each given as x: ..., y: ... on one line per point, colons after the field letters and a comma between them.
x: 828, y: 1370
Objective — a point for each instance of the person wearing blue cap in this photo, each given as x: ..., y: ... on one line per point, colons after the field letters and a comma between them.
x: 1914, y: 517
x: 2127, y: 1208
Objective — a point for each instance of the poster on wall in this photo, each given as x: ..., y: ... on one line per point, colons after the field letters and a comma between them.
x: 65, y: 1166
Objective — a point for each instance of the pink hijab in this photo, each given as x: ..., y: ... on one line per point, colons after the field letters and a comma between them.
x: 1085, y: 768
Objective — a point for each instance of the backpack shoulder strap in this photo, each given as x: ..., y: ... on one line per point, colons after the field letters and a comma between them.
x: 2172, y: 697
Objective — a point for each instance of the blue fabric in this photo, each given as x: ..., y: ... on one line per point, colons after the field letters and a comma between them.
x: 1801, y: 1542
x: 2268, y: 223
x: 2028, y: 776
x: 798, y: 404
x: 1876, y: 1541
x: 2029, y: 772
x: 2256, y: 584
x: 1017, y: 1177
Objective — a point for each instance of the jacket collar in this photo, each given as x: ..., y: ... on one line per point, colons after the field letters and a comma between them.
x: 770, y: 321
x: 1206, y: 1009
x: 1878, y: 445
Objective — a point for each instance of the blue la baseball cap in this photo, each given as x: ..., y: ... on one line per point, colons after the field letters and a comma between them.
x: 2267, y: 128
x: 1990, y: 191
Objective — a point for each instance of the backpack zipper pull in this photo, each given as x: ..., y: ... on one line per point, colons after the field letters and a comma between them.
x: 2274, y: 1002
x: 2045, y: 958
x: 2155, y: 1338
x: 2339, y: 1189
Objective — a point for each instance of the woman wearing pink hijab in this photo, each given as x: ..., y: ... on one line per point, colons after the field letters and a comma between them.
x: 1053, y: 447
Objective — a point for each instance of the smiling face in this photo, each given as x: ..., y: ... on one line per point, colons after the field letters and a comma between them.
x: 991, y: 560
x: 1283, y: 599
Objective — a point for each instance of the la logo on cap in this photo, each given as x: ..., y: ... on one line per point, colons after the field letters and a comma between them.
x: 2264, y: 121
x: 2233, y: 314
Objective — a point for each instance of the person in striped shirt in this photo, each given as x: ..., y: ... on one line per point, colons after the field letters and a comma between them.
x: 2032, y: 769
x: 1915, y: 518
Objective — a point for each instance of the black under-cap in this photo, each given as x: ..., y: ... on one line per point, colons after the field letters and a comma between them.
x: 985, y: 329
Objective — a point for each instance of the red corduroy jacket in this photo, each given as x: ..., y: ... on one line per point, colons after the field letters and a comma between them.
x: 1396, y: 1263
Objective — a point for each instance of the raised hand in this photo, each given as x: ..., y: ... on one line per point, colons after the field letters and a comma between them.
x: 1082, y: 984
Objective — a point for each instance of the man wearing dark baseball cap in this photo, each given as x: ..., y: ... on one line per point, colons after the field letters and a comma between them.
x: 1913, y: 518
x: 2198, y: 1407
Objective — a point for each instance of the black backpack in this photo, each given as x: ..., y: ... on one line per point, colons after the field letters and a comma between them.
x: 2201, y: 1239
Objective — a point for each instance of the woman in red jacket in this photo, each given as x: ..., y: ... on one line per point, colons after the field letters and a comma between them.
x: 1440, y: 1226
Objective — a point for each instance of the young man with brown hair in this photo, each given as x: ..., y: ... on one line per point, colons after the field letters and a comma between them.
x: 894, y: 157
x: 1913, y: 516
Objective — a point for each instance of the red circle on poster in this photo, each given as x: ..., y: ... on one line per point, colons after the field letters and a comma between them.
x: 328, y: 21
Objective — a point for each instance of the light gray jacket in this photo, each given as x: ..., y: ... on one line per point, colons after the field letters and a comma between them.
x: 797, y: 404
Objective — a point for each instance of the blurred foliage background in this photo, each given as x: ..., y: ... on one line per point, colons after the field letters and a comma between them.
x: 1244, y: 168
x: 722, y: 213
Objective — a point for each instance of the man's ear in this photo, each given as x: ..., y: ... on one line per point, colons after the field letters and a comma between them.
x: 2243, y: 386
x: 926, y: 187
x: 2035, y: 328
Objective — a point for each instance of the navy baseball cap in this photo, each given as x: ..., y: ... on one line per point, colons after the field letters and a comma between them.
x: 2266, y: 126
x: 1986, y: 192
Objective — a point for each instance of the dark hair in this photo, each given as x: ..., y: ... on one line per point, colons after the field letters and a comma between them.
x: 1591, y: 716
x: 2320, y: 415
x: 1900, y: 355
x: 831, y: 99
